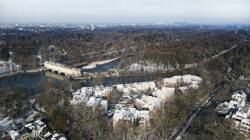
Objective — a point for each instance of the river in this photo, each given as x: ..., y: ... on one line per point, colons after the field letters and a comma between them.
x: 27, y: 81
x: 30, y: 81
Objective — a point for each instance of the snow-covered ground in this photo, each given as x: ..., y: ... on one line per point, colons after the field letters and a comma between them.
x: 8, y: 66
x: 147, y: 68
x: 39, y: 56
x: 6, y: 123
x: 94, y: 64
x: 187, y: 79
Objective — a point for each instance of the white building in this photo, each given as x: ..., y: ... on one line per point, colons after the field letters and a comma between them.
x: 233, y: 104
x: 94, y: 101
x: 245, y: 125
x: 241, y: 113
x: 14, y: 135
x: 101, y: 91
x: 148, y: 102
x: 164, y: 93
x: 131, y: 116
x: 58, y: 137
x: 239, y: 96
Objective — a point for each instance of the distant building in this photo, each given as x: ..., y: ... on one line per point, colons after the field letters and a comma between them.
x: 63, y: 69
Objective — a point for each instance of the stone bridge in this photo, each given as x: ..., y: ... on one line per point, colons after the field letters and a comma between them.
x: 62, y: 69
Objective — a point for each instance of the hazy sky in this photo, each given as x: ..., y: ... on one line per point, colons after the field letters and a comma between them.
x: 125, y: 11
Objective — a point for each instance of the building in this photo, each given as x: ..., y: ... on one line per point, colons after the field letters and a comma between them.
x: 24, y: 134
x: 58, y: 137
x: 245, y: 125
x: 14, y: 135
x: 148, y: 103
x: 239, y: 111
x: 74, y: 72
x: 164, y: 93
x: 32, y: 129
x: 130, y: 116
x: 239, y: 96
x: 40, y: 126
x: 94, y: 102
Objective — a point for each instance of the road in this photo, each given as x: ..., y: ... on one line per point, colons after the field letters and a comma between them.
x: 196, y: 112
x: 206, y: 101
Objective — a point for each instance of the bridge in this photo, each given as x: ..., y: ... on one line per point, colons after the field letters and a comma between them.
x: 62, y: 69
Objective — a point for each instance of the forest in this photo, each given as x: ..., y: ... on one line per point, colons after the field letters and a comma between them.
x: 167, y: 46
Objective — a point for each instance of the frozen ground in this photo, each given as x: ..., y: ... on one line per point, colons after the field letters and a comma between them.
x: 93, y: 65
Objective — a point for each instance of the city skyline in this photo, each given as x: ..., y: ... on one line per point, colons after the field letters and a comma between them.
x: 114, y: 11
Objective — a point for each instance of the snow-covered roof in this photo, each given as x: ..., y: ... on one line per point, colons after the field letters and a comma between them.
x: 14, y: 134
x: 48, y: 134
x: 192, y: 79
x: 93, y: 101
x: 233, y: 102
x: 39, y: 122
x: 28, y: 125
x: 148, y: 101
x: 104, y: 102
x: 245, y: 121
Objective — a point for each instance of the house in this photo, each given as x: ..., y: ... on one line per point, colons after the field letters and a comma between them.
x: 24, y: 134
x: 164, y: 93
x: 239, y: 96
x: 101, y: 91
x: 58, y: 137
x: 32, y: 129
x: 125, y: 99
x: 191, y: 80
x: 143, y: 118
x: 123, y: 116
x: 136, y: 87
x: 93, y: 102
x: 14, y: 135
x: 245, y: 125
x: 104, y: 105
x: 47, y: 135
x: 233, y: 104
x: 81, y: 95
x: 148, y: 103
x: 130, y: 116
x: 40, y: 126
x: 241, y: 113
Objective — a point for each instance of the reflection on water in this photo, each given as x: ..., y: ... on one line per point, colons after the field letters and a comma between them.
x: 54, y: 75
x: 27, y: 81
x: 30, y: 81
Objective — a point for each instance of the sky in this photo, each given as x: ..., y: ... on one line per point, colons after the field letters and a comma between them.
x: 125, y: 11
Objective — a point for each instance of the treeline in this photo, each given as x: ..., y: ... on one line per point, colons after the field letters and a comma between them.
x: 70, y: 46
x: 194, y: 50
